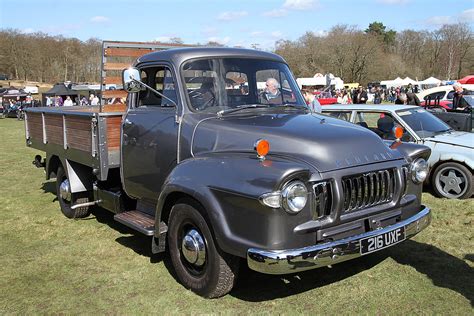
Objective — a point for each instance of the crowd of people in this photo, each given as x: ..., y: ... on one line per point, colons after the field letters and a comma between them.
x: 68, y: 101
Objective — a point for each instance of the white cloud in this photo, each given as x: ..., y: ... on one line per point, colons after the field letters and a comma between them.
x: 276, y: 13
x: 438, y: 20
x: 256, y: 33
x: 229, y: 16
x: 393, y: 2
x: 467, y: 16
x: 99, y: 19
x: 300, y: 4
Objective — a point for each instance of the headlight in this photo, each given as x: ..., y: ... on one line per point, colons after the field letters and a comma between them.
x: 419, y: 170
x: 294, y: 196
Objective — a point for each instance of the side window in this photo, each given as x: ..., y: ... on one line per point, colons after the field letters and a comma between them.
x: 342, y: 115
x: 380, y: 123
x: 435, y: 95
x: 450, y: 95
x: 162, y: 80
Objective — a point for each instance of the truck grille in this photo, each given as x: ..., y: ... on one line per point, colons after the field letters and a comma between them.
x: 369, y: 189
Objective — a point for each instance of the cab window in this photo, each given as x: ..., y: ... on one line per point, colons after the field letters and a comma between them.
x: 161, y: 79
x: 380, y: 123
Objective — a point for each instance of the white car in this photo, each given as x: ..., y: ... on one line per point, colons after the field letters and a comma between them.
x: 452, y: 152
x: 443, y: 93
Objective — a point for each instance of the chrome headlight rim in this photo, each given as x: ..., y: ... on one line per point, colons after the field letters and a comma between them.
x: 288, y: 191
x: 419, y: 170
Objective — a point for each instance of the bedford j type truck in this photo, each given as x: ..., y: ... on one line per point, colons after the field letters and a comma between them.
x: 217, y: 158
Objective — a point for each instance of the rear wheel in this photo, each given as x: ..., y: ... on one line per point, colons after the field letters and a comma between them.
x: 199, y: 263
x: 453, y: 181
x: 67, y: 199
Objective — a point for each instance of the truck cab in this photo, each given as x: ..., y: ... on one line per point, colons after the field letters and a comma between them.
x: 220, y: 160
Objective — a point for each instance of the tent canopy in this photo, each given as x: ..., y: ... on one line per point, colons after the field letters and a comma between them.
x: 13, y: 92
x: 467, y: 80
x: 430, y: 80
x: 60, y: 89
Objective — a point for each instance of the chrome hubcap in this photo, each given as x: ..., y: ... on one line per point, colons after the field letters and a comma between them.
x: 193, y: 248
x: 65, y: 191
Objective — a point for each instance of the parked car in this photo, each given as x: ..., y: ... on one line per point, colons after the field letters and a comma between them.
x: 442, y: 93
x: 452, y: 152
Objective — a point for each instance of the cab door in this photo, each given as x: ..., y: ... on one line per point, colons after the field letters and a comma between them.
x: 150, y: 135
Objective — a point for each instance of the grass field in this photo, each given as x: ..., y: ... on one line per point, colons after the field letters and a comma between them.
x: 52, y: 265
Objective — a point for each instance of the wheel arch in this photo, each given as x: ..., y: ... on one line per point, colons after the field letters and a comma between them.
x: 452, y: 160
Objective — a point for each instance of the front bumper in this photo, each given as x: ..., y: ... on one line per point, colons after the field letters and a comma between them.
x: 296, y: 260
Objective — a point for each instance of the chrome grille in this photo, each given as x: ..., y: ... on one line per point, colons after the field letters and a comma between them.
x: 368, y: 189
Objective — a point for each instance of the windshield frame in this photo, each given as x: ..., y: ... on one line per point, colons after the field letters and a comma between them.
x: 417, y: 133
x: 299, y: 99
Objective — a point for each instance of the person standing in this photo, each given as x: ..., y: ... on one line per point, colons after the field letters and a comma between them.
x: 311, y: 100
x: 95, y: 100
x: 68, y: 101
x: 48, y: 101
x: 457, y: 97
x: 361, y: 97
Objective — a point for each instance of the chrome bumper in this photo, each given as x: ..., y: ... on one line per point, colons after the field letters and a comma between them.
x: 296, y: 260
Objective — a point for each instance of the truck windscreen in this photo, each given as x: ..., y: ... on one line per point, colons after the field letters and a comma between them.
x: 220, y: 84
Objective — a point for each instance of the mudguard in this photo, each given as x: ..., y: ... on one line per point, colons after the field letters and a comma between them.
x: 228, y: 187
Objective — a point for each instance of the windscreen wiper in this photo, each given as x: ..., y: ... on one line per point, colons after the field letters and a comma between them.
x: 243, y: 107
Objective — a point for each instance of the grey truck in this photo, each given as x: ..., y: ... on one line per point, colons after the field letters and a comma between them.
x: 216, y: 156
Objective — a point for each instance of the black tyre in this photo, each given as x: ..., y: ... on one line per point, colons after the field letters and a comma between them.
x: 197, y: 260
x: 66, y: 200
x: 453, y: 181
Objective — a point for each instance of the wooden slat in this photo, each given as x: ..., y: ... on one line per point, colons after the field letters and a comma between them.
x: 119, y: 107
x: 112, y: 80
x: 35, y: 126
x: 79, y: 133
x: 116, y: 66
x: 113, y: 132
x: 125, y: 52
x: 54, y: 129
x: 109, y: 94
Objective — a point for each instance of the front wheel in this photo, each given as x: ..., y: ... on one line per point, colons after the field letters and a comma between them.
x: 66, y: 198
x: 453, y: 181
x: 197, y: 260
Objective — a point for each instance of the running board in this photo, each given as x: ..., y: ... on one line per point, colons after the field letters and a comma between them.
x: 137, y: 220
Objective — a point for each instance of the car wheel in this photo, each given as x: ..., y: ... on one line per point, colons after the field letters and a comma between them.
x: 197, y: 260
x: 66, y: 198
x: 453, y: 181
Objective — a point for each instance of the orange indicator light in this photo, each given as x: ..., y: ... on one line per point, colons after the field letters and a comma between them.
x: 262, y: 146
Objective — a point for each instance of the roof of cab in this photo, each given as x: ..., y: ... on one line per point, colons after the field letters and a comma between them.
x: 178, y: 55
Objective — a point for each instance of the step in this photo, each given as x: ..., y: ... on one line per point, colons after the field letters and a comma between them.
x: 138, y: 221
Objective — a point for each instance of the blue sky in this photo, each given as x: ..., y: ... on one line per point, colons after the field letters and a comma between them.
x: 232, y: 23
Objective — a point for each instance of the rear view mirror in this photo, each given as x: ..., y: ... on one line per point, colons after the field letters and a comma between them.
x: 130, y: 77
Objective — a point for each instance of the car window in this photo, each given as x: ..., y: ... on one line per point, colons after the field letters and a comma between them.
x: 435, y: 95
x: 450, y: 95
x: 161, y: 79
x: 342, y: 115
x: 380, y: 123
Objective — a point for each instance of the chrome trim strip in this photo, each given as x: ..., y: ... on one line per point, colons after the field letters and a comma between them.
x: 316, y: 256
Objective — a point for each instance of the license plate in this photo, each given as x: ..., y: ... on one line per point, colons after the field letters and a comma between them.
x: 375, y: 243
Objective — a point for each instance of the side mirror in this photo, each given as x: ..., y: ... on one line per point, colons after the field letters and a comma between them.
x: 130, y: 77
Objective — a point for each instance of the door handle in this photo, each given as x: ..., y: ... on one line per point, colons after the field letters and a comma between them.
x: 127, y: 122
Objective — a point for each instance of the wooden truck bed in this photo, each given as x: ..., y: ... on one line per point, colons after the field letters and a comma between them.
x: 80, y: 134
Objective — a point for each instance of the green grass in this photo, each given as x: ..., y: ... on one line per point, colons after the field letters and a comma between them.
x: 52, y: 265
